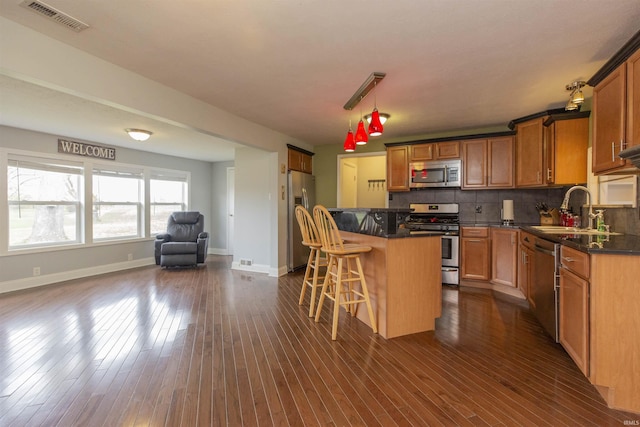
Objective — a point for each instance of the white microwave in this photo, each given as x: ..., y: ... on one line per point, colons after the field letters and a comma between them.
x: 437, y: 173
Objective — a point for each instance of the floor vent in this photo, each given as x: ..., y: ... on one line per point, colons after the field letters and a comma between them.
x: 53, y: 14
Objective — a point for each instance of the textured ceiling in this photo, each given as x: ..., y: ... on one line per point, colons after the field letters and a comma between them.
x: 292, y: 65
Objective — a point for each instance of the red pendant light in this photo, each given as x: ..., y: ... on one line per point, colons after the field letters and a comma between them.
x: 375, y: 127
x: 361, y: 134
x: 349, y: 142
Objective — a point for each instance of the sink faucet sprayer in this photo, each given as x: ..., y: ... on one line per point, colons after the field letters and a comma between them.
x: 565, y: 202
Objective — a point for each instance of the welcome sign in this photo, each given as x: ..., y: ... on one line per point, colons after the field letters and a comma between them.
x: 87, y: 150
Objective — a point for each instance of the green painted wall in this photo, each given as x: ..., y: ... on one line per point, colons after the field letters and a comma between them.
x: 325, y: 169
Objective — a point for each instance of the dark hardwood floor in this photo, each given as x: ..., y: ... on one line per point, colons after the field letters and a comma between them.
x: 215, y: 347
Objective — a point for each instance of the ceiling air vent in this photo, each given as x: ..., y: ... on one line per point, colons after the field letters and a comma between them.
x: 53, y: 14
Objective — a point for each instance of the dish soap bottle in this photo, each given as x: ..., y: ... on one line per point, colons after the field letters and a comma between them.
x: 600, y: 221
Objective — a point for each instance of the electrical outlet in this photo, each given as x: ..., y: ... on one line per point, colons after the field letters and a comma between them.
x: 130, y: 257
x: 246, y: 262
x: 479, y: 209
x: 36, y: 271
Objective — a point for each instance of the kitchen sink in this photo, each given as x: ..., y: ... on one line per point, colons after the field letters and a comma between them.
x: 559, y: 229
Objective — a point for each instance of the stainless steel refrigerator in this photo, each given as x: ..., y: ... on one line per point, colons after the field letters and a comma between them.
x: 302, y: 191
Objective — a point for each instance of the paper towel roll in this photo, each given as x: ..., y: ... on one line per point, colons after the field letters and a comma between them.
x: 507, y: 210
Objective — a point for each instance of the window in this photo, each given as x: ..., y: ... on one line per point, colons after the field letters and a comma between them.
x: 56, y: 201
x: 45, y: 202
x: 117, y: 203
x: 168, y: 193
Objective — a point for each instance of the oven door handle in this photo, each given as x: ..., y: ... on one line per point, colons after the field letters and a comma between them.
x: 449, y: 270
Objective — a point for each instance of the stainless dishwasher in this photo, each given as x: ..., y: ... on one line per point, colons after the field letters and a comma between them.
x: 546, y: 267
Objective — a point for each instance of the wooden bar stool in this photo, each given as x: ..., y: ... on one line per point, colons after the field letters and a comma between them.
x: 311, y: 239
x: 341, y: 276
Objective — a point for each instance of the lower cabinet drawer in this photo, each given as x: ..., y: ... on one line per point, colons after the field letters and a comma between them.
x: 575, y: 261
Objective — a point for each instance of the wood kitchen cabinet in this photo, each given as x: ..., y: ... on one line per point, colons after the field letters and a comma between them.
x: 566, y: 141
x: 300, y: 160
x: 475, y: 253
x: 435, y: 151
x: 525, y: 267
x: 616, y: 116
x: 574, y: 306
x: 530, y: 153
x: 398, y: 168
x: 504, y: 256
x: 487, y: 163
x: 614, y: 341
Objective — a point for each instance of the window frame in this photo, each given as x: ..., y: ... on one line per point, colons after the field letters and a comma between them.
x: 119, y: 171
x: 183, y: 177
x: 47, y: 164
x: 85, y: 213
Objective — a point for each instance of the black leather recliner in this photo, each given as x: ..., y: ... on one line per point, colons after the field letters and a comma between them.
x: 185, y: 243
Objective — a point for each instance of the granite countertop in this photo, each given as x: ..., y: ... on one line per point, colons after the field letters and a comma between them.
x: 393, y: 210
x: 624, y: 244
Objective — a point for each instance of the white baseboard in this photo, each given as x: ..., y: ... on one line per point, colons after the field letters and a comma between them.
x: 255, y: 268
x: 218, y: 251
x: 280, y: 271
x: 48, y: 279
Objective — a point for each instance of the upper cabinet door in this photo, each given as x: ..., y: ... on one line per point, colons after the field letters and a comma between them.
x: 448, y: 150
x: 529, y: 153
x: 422, y: 151
x: 500, y: 162
x: 398, y: 168
x: 633, y: 100
x: 609, y: 111
x: 474, y: 164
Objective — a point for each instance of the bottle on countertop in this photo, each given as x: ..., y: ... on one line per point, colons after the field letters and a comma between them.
x: 600, y: 220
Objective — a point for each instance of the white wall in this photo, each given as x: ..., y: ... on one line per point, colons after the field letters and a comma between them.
x: 33, y: 57
x: 16, y: 269
x: 371, y: 168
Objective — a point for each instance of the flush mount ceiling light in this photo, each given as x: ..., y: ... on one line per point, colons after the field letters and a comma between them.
x: 383, y: 117
x: 139, y: 134
x: 576, y: 97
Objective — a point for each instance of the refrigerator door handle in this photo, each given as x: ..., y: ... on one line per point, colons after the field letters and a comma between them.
x: 305, y: 199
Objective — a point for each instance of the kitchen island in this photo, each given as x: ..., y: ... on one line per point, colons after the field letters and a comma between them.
x: 404, y: 277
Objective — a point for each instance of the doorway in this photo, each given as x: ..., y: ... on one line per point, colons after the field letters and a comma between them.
x: 231, y: 176
x: 362, y: 180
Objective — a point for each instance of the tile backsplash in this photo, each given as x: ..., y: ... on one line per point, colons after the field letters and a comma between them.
x: 484, y: 206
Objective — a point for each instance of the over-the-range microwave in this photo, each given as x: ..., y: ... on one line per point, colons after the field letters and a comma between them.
x: 437, y: 173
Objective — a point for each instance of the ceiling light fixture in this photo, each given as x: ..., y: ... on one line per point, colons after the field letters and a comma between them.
x: 576, y: 98
x: 364, y: 90
x: 349, y: 142
x: 139, y: 134
x: 361, y: 134
x: 375, y: 126
x: 383, y: 117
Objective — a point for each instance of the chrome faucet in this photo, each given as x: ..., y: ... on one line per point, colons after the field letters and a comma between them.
x: 565, y: 202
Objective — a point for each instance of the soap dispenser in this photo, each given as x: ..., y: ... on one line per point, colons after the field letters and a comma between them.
x: 600, y: 220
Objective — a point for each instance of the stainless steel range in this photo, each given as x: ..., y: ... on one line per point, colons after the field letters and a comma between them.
x: 441, y: 219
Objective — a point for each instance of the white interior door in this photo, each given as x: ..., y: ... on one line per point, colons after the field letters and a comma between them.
x: 348, y: 185
x: 231, y: 174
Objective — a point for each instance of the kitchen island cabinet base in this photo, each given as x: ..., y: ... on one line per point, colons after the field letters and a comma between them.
x: 404, y: 277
